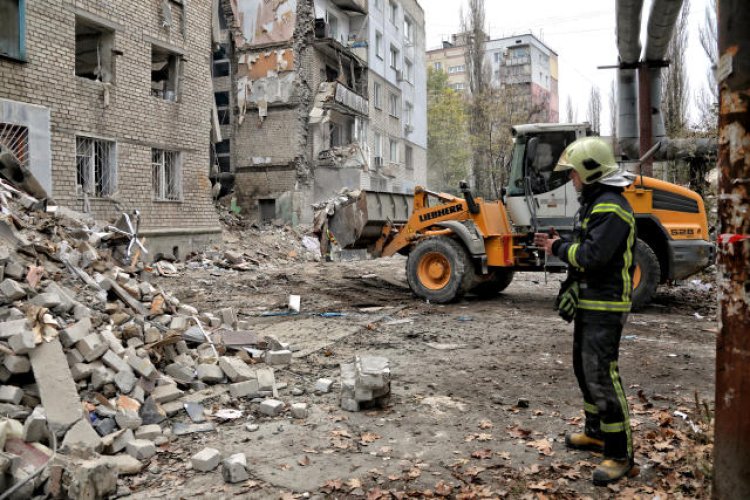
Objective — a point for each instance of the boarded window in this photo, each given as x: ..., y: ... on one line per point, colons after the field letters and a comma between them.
x: 11, y: 41
x: 166, y: 175
x: 166, y: 67
x: 96, y: 169
x: 94, y: 45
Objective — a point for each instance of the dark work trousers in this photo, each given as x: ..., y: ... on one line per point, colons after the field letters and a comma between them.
x: 596, y: 345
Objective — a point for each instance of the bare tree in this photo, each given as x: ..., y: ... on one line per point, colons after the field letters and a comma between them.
x: 613, y: 112
x: 708, y: 95
x: 594, y: 115
x: 475, y: 37
x: 675, y: 88
x: 571, y: 115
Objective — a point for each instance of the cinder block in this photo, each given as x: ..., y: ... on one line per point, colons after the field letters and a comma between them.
x: 206, y: 460
x: 141, y: 449
x: 91, y: 347
x: 275, y: 358
x: 236, y: 369
x: 246, y: 389
x: 234, y: 468
x: 271, y: 407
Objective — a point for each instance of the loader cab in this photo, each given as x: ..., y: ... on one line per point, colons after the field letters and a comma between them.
x: 537, y: 196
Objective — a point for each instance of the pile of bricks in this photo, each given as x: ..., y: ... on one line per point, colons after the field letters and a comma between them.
x: 365, y: 383
x: 95, y: 360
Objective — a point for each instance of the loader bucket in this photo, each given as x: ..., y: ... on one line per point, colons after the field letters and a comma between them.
x: 359, y: 223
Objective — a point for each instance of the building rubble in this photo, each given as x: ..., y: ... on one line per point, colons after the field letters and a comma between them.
x: 95, y: 360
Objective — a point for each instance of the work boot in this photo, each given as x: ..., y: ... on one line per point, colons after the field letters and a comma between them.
x: 582, y: 441
x: 611, y: 470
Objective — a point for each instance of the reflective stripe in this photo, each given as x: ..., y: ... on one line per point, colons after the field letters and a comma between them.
x: 572, y: 249
x: 604, y: 305
x: 612, y: 428
x: 613, y: 374
x: 589, y: 408
x: 613, y: 208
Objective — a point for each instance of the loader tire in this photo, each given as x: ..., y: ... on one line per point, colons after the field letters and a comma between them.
x: 439, y: 270
x: 647, y: 275
x: 496, y: 283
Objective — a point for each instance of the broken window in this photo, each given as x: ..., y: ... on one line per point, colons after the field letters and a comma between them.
x: 221, y: 61
x: 409, y: 157
x: 14, y: 139
x: 96, y: 170
x: 165, y: 73
x: 12, y: 43
x: 378, y: 95
x: 166, y: 175
x: 94, y: 46
x: 379, y: 44
x: 393, y: 105
x: 222, y: 107
x: 333, y: 25
x: 223, y: 152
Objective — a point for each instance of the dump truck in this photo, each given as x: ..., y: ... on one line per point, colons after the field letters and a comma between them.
x: 457, y: 245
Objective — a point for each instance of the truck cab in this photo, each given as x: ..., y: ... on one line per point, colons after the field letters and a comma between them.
x: 673, y: 239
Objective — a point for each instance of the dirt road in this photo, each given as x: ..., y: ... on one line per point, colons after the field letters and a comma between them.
x: 482, y: 391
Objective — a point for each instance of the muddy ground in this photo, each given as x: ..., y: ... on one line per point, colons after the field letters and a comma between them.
x: 482, y: 392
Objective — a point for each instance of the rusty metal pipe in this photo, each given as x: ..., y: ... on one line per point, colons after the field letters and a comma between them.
x: 732, y: 427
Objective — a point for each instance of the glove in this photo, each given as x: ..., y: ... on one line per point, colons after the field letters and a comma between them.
x: 566, y: 303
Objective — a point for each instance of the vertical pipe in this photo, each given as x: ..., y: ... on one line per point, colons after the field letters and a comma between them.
x: 732, y: 432
x: 645, y: 118
x: 627, y: 107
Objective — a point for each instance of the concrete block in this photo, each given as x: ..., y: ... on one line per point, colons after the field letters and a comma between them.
x: 73, y: 357
x: 81, y: 371
x: 349, y: 404
x: 271, y: 407
x: 206, y: 460
x: 128, y: 419
x: 105, y: 426
x: 75, y: 332
x: 179, y: 323
x: 278, y: 357
x: 181, y: 373
x: 210, y: 374
x: 81, y: 437
x: 125, y: 381
x: 10, y: 291
x: 373, y: 372
x: 228, y: 317
x: 142, y: 366
x: 22, y: 343
x: 299, y: 410
x: 117, y: 441
x: 10, y: 328
x: 101, y: 376
x: 324, y: 385
x: 93, y: 479
x: 141, y: 449
x: 151, y: 335
x: 236, y: 369
x: 50, y: 300
x: 246, y: 389
x: 17, y: 364
x: 115, y: 362
x: 152, y: 412
x: 35, y: 426
x: 4, y: 374
x: 10, y: 394
x: 67, y: 297
x: 166, y: 393
x: 234, y: 468
x: 266, y: 379
x: 149, y: 432
x: 15, y: 270
x: 114, y: 343
x: 92, y: 347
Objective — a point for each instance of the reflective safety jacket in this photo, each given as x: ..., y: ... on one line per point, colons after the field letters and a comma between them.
x: 601, y: 255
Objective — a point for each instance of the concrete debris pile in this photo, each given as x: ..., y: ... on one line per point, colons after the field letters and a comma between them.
x: 365, y: 383
x: 94, y: 359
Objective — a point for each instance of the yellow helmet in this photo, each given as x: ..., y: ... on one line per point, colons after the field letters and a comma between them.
x: 591, y: 157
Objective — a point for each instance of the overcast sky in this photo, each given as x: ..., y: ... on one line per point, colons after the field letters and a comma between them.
x: 582, y: 32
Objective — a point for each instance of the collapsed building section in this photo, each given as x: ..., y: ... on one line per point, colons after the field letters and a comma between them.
x: 298, y: 128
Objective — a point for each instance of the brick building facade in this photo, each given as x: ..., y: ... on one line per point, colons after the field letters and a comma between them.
x: 109, y: 108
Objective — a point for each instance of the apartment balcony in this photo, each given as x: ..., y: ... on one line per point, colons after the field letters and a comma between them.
x: 337, y: 97
x: 357, y: 6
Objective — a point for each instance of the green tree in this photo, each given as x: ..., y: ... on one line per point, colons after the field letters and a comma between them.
x: 448, y: 145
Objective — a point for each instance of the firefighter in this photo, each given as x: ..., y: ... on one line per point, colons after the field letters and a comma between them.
x: 597, y: 295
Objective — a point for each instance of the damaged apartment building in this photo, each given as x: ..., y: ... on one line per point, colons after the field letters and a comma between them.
x: 293, y: 89
x: 106, y: 104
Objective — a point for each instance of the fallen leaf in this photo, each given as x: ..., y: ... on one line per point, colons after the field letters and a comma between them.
x: 340, y: 433
x: 485, y: 424
x: 354, y: 483
x: 443, y: 489
x: 332, y: 485
x: 368, y: 437
x: 474, y: 471
x: 542, y: 486
x: 285, y: 466
x: 304, y: 461
x: 482, y: 454
x: 377, y: 494
x: 543, y: 446
x: 414, y: 473
x: 505, y: 455
x: 484, y: 437
x: 518, y: 432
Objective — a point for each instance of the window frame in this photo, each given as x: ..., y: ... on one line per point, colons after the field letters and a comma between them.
x: 408, y: 29
x: 110, y: 183
x: 379, y: 45
x: 162, y: 194
x: 393, y: 57
x: 393, y: 150
x: 377, y: 97
x: 393, y: 105
x: 408, y: 70
x: 21, y: 57
x: 393, y: 13
x: 177, y: 66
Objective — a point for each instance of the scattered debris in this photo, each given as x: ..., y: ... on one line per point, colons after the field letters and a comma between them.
x: 365, y: 383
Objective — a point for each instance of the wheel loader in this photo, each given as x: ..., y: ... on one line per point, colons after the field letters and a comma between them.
x: 457, y: 245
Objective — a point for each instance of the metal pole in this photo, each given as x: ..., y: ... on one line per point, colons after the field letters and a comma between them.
x: 644, y: 116
x: 732, y: 443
